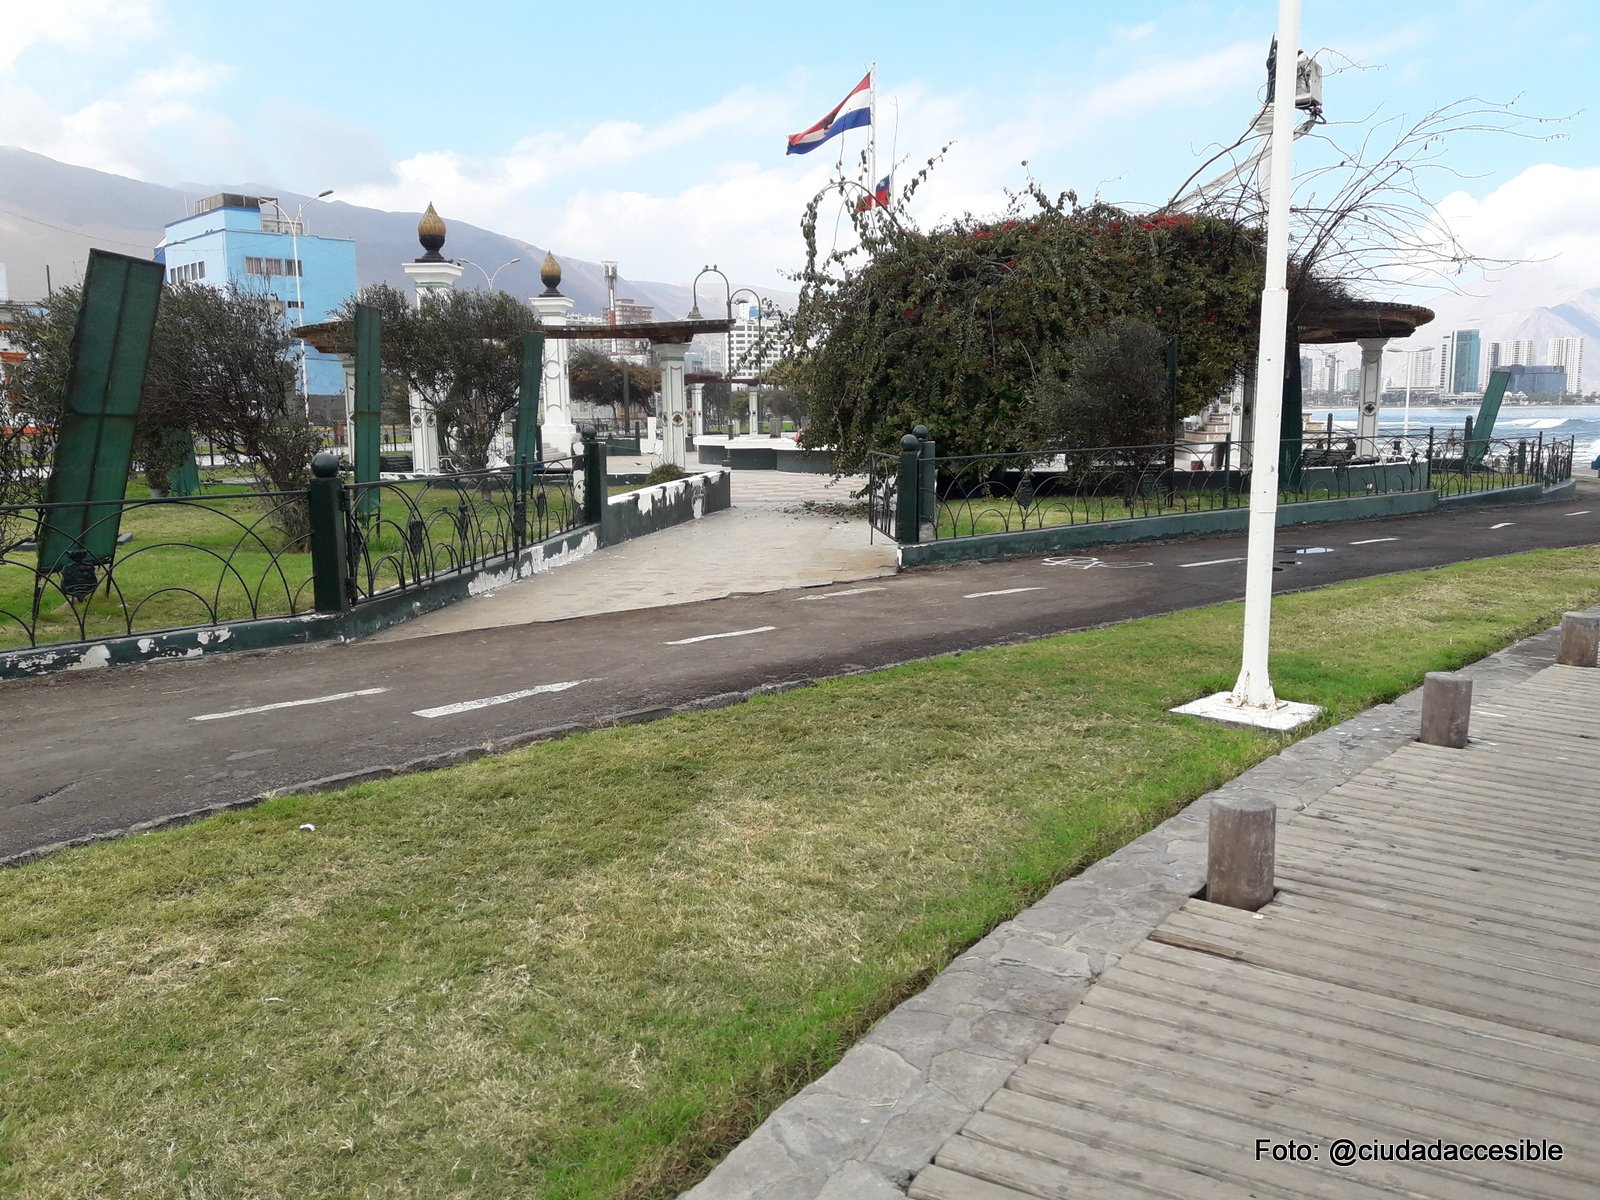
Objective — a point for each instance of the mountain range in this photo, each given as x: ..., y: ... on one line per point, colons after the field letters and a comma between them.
x: 51, y: 213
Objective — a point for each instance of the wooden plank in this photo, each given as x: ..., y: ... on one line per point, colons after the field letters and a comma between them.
x: 1083, y: 1171
x: 1296, y: 885
x: 1516, y: 773
x: 1455, y: 988
x: 1479, y: 802
x: 1199, y: 1167
x: 1465, y: 919
x: 1359, y: 1030
x: 1456, y: 821
x: 1314, y: 995
x: 1418, y: 785
x: 1352, y: 871
x: 941, y: 1183
x: 1468, y: 877
x: 1413, y: 844
x: 1217, y: 1126
x: 1358, y: 928
x: 1364, y: 953
x: 1402, y: 799
x: 1224, y: 1061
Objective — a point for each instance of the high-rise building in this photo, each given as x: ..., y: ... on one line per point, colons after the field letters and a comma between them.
x: 1424, y: 376
x: 1517, y: 352
x: 753, y: 343
x: 251, y: 239
x: 1352, y: 380
x: 1462, y: 352
x: 1308, y: 376
x: 1567, y: 352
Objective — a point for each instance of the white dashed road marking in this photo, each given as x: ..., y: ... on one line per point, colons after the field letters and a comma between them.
x: 1001, y: 592
x: 1212, y: 562
x: 706, y: 637
x: 446, y: 710
x: 1582, y: 512
x: 850, y: 592
x: 1502, y: 525
x: 1374, y: 541
x: 261, y: 708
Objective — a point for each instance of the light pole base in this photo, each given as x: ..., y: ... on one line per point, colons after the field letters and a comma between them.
x: 1283, y: 717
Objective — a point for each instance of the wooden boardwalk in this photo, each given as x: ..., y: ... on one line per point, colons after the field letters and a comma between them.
x: 1427, y: 973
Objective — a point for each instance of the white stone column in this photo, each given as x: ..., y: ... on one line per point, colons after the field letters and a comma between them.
x: 697, y: 408
x: 674, y: 403
x: 429, y: 278
x: 1370, y: 403
x: 755, y: 410
x: 1242, y: 425
x: 348, y: 362
x: 555, y: 397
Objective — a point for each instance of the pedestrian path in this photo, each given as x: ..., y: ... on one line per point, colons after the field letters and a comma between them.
x: 1425, y: 985
x: 768, y: 541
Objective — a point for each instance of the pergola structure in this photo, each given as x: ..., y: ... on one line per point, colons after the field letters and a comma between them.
x: 1370, y: 323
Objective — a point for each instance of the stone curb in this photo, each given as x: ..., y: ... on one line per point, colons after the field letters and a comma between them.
x: 862, y: 1131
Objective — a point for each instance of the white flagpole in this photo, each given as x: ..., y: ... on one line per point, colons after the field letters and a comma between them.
x: 872, y: 93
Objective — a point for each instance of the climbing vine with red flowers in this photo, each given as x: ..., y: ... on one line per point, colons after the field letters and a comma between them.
x: 958, y: 326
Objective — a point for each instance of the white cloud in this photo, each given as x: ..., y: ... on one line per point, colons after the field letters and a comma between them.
x: 127, y: 130
x: 76, y: 25
x: 1549, y: 217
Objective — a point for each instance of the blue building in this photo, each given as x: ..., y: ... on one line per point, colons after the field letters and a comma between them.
x: 251, y: 239
x: 1465, y: 355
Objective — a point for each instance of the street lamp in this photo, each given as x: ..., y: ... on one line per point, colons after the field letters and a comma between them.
x: 1411, y: 358
x: 694, y: 315
x: 488, y: 277
x: 299, y: 299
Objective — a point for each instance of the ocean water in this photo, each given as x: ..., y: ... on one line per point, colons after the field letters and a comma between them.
x: 1556, y: 422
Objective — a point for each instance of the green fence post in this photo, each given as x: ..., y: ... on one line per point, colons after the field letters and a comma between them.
x: 928, y: 492
x: 594, y: 476
x: 908, y: 488
x: 330, y: 570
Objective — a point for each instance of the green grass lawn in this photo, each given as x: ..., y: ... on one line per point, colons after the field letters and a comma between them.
x: 195, y: 562
x: 587, y: 968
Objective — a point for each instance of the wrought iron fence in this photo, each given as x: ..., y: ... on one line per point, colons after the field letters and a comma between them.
x: 400, y: 535
x: 882, y: 488
x: 76, y: 572
x: 1005, y: 493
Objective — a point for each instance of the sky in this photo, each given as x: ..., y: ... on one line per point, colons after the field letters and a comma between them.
x: 653, y: 133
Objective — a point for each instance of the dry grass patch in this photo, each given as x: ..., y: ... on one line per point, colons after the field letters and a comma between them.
x: 583, y: 969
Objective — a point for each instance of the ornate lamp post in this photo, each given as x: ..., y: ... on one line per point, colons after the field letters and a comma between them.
x: 695, y: 315
x: 488, y: 278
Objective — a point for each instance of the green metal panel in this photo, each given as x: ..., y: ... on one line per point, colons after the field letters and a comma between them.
x: 369, y: 403
x: 525, y: 439
x: 1488, y: 410
x: 1291, y: 423
x: 94, y: 449
x: 185, y: 477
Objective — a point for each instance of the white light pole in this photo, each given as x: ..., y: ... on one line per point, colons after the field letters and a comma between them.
x: 299, y: 299
x: 1411, y: 366
x: 488, y: 277
x: 1252, y: 700
x: 1253, y: 689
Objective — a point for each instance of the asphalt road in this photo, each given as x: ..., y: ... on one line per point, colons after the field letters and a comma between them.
x: 99, y: 752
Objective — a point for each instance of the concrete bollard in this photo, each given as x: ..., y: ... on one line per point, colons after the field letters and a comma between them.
x: 1446, y: 709
x: 1580, y: 639
x: 1240, y: 850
